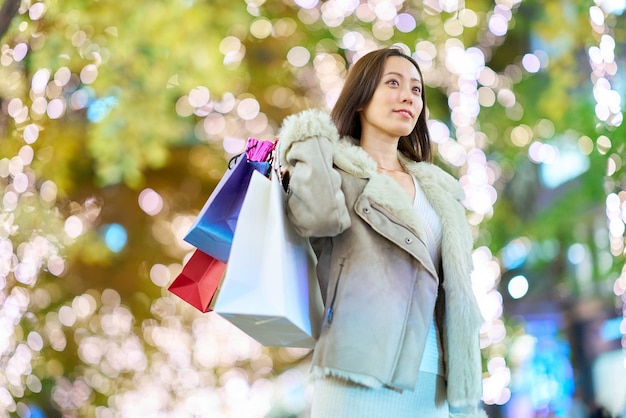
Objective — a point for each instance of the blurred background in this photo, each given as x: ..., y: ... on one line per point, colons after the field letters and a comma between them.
x: 117, y: 120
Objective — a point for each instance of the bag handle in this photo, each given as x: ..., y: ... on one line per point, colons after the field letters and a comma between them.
x: 264, y: 152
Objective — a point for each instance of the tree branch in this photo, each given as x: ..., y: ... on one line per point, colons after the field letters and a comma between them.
x: 7, y: 13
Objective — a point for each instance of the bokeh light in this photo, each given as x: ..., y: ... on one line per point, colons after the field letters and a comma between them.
x: 518, y: 287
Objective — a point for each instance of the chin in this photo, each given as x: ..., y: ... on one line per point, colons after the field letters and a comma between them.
x: 401, y: 134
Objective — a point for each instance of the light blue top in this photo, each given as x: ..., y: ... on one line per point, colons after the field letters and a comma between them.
x: 432, y: 361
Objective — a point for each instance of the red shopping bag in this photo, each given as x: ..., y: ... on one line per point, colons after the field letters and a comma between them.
x: 199, y: 280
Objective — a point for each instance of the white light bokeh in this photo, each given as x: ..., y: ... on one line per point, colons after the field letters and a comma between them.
x: 150, y: 201
x: 518, y: 287
x: 74, y: 226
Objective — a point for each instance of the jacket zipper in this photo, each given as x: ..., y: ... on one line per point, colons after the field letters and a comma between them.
x: 331, y: 310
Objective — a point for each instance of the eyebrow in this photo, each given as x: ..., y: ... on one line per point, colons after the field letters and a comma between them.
x: 401, y: 76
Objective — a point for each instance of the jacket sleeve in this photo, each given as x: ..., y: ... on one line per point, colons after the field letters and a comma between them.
x: 315, y: 202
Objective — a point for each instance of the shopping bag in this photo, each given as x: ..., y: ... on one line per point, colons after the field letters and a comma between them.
x: 270, y: 289
x: 259, y: 151
x: 212, y: 231
x: 199, y: 280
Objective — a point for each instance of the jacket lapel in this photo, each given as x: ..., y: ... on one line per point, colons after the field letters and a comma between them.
x: 441, y: 189
x: 443, y: 193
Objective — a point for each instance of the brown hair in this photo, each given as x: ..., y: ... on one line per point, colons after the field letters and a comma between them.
x: 362, y: 80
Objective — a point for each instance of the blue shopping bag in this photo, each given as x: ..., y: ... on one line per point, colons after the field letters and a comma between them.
x: 214, y: 228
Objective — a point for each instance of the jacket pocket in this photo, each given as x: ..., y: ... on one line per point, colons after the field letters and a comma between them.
x: 331, y: 307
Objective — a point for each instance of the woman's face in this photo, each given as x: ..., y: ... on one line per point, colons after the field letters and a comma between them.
x: 397, y: 101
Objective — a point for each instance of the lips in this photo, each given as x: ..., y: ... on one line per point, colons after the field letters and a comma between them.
x: 404, y: 112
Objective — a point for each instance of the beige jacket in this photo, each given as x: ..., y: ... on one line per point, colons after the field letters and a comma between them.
x: 379, y: 284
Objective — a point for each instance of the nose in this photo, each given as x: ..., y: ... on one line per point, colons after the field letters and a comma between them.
x: 407, y: 96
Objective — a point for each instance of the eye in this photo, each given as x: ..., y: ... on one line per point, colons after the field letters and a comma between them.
x: 417, y: 89
x: 393, y: 82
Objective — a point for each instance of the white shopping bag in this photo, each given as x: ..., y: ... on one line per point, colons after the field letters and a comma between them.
x: 270, y: 289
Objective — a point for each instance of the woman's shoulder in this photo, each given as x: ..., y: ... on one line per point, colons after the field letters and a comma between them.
x: 310, y: 122
x: 302, y: 126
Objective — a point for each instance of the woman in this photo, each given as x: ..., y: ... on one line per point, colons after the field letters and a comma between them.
x: 401, y: 325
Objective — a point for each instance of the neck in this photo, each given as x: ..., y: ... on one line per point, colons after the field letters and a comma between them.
x: 384, y: 153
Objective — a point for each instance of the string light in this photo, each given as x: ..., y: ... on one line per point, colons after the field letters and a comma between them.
x: 608, y: 111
